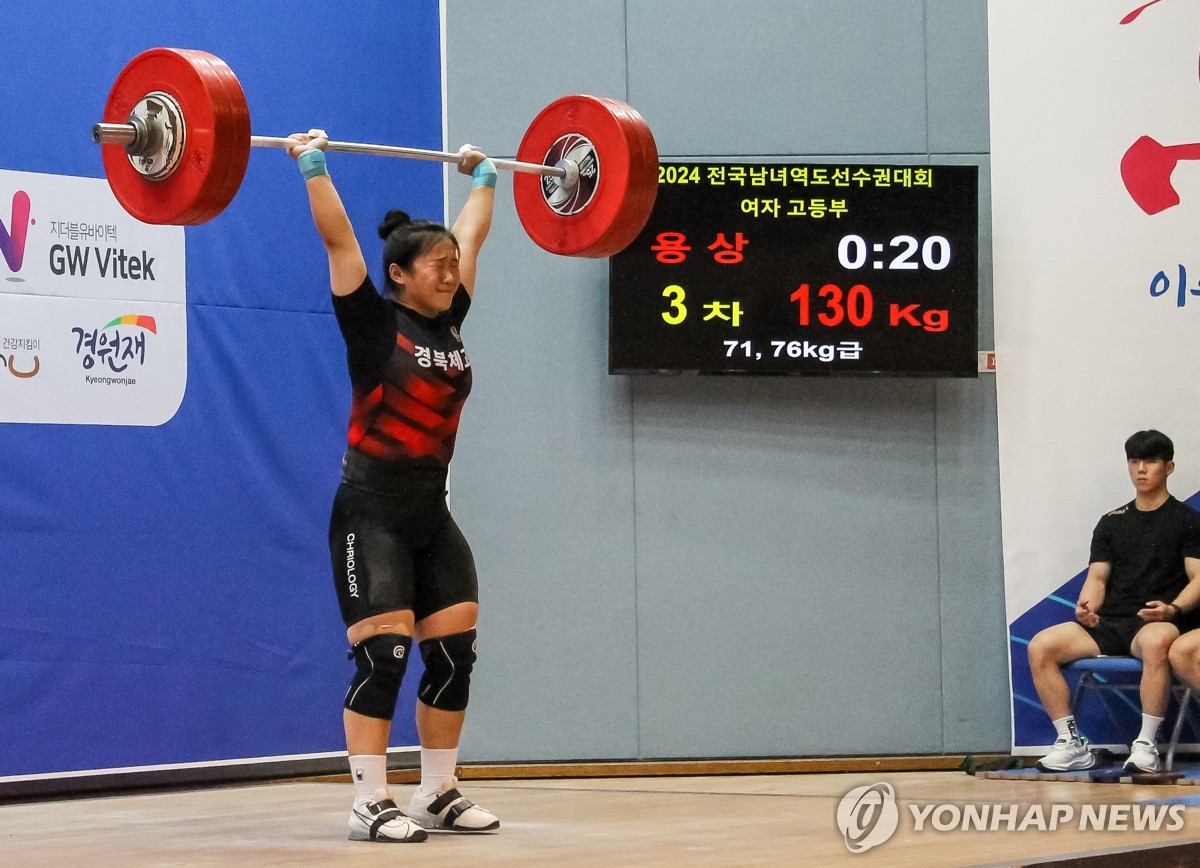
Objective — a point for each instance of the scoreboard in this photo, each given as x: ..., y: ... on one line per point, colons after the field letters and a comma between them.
x: 809, y: 269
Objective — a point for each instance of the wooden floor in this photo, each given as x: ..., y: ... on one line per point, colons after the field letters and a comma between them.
x: 742, y: 820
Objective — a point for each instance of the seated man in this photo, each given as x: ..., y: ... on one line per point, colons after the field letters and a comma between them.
x: 1142, y: 584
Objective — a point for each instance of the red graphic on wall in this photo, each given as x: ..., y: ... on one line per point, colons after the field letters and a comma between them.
x: 1146, y: 170
x: 1148, y: 165
x: 1136, y: 12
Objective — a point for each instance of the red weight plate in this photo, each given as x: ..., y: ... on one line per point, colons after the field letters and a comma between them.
x: 217, y: 145
x: 620, y: 199
x: 231, y: 125
x: 609, y: 208
x: 643, y: 185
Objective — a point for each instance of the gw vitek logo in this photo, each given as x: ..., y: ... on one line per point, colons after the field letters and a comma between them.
x: 868, y: 816
x: 12, y: 236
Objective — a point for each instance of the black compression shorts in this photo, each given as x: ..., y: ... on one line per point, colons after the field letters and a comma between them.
x: 393, y: 544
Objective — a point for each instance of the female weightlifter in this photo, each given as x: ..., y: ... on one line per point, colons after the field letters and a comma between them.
x: 403, y: 571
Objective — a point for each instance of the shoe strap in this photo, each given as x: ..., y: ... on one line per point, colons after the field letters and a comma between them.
x: 454, y: 804
x: 388, y: 812
x: 444, y: 801
x: 457, y: 810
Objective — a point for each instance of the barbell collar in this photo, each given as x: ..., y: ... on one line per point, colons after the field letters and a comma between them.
x: 114, y: 134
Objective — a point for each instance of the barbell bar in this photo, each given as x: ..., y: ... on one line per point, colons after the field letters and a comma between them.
x: 134, y: 140
x: 176, y: 139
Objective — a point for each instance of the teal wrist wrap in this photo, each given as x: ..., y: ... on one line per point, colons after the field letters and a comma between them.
x: 312, y: 163
x: 484, y: 175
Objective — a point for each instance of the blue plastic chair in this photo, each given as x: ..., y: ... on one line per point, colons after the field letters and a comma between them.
x: 1095, y: 674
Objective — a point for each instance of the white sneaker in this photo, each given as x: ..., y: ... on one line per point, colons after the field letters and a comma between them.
x: 1069, y: 754
x: 381, y: 820
x: 1143, y: 756
x: 447, y: 811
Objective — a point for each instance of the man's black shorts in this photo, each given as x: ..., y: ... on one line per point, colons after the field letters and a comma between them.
x: 1114, y: 635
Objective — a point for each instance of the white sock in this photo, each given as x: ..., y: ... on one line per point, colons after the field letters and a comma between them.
x: 437, y: 765
x: 369, y: 773
x: 1066, y: 728
x: 1150, y: 727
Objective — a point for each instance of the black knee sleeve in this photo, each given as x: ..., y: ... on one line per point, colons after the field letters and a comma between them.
x: 381, y: 661
x: 447, y: 679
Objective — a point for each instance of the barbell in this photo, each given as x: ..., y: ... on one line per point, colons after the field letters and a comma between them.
x: 176, y: 141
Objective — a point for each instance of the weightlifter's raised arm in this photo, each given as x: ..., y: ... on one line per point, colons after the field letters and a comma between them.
x: 347, y: 268
x: 474, y: 221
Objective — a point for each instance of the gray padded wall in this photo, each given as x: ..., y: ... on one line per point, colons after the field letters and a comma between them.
x: 720, y: 567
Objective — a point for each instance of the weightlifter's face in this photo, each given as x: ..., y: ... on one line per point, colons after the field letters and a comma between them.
x: 429, y: 286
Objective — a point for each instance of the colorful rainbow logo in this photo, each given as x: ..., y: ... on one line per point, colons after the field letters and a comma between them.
x: 145, y: 322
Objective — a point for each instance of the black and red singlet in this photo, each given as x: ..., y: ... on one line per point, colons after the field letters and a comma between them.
x: 410, y: 376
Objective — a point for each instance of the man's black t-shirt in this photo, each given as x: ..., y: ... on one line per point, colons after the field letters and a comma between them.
x: 1146, y: 552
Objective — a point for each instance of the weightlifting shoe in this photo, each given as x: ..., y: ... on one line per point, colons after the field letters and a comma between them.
x: 381, y: 820
x: 1069, y: 754
x: 448, y: 811
x: 1143, y: 756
